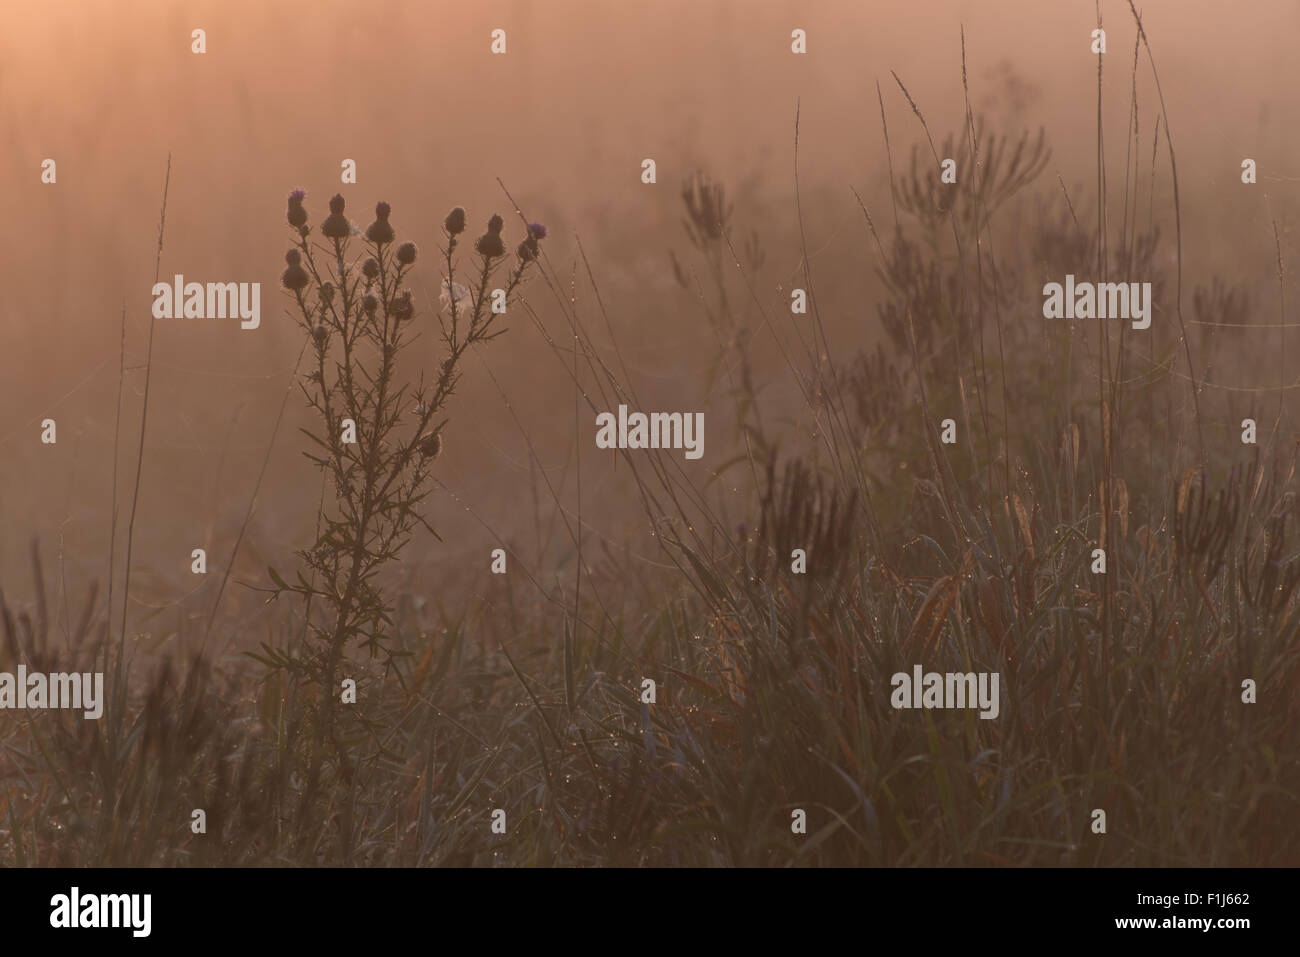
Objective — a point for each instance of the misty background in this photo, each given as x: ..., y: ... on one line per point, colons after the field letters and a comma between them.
x: 586, y: 91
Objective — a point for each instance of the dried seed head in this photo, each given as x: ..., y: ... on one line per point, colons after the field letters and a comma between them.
x: 320, y: 334
x: 293, y: 257
x: 336, y: 204
x: 455, y: 221
x: 369, y: 303
x: 406, y: 253
x: 495, y: 223
x: 370, y: 268
x: 327, y: 293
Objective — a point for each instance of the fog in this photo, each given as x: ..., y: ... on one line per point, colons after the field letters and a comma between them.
x: 584, y: 93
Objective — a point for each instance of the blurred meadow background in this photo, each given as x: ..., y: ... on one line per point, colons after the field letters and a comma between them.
x: 523, y: 691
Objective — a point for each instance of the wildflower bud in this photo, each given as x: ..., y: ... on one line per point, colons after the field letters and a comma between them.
x: 336, y: 225
x: 321, y: 335
x: 370, y: 268
x: 536, y: 230
x: 490, y: 245
x: 293, y: 257
x: 495, y: 223
x: 295, y: 278
x: 369, y: 303
x: 431, y: 446
x: 455, y: 221
x: 406, y: 253
x: 297, y: 215
x: 380, y: 231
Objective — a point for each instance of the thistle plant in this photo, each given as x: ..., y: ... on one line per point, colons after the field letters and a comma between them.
x: 378, y: 435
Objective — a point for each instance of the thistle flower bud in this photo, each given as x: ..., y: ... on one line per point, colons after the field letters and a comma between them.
x: 527, y: 250
x: 536, y: 230
x: 327, y: 293
x: 455, y: 221
x: 369, y: 303
x: 295, y: 278
x: 320, y: 334
x: 495, y: 223
x: 336, y: 225
x: 406, y: 253
x: 380, y: 231
x: 297, y: 216
x: 370, y: 268
x: 490, y: 245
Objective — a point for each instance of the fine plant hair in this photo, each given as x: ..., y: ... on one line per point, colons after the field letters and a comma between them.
x: 378, y: 434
